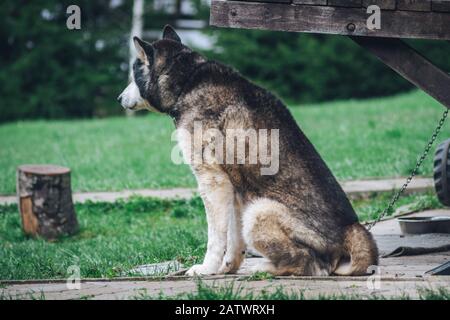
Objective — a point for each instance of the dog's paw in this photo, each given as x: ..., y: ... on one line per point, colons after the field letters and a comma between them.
x: 201, y: 270
x: 231, y: 265
x: 228, y: 267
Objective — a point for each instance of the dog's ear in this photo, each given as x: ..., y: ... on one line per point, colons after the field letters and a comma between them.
x: 144, y: 50
x: 170, y: 34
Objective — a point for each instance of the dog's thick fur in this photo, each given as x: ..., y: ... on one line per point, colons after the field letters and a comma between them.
x: 299, y: 219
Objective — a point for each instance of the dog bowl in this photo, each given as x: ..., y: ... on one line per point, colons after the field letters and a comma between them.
x: 420, y: 225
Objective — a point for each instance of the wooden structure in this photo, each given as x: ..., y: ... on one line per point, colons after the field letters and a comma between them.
x: 420, y: 19
x: 45, y: 201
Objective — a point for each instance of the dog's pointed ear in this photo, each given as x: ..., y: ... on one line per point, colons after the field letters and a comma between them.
x: 144, y: 50
x: 169, y: 33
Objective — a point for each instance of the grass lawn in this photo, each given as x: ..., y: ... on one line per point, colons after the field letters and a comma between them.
x: 358, y: 139
x: 114, y: 237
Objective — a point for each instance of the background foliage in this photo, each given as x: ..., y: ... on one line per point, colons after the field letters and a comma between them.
x: 310, y: 68
x: 48, y: 71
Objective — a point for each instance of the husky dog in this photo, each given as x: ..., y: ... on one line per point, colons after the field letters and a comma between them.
x: 299, y: 219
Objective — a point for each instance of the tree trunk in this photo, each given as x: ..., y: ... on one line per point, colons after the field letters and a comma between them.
x: 45, y: 201
x: 136, y: 31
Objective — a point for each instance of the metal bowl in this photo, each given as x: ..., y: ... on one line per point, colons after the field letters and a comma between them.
x: 420, y: 225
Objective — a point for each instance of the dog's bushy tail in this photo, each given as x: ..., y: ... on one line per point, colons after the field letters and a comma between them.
x: 360, y: 247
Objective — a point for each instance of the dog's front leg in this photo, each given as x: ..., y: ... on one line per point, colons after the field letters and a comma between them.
x: 217, y: 193
x: 235, y: 242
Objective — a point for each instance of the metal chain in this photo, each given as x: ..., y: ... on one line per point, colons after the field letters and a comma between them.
x: 413, y: 172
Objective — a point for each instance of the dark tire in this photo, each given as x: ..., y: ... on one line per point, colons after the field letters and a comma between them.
x: 442, y: 172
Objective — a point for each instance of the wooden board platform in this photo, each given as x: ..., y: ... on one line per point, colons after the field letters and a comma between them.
x: 400, y: 277
x: 422, y: 19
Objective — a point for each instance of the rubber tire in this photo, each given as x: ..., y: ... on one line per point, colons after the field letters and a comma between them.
x: 442, y: 172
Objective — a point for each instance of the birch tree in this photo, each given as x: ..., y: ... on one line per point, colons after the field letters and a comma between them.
x: 137, y: 25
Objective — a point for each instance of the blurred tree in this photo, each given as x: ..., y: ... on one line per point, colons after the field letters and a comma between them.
x: 137, y: 26
x: 307, y: 67
x: 49, y: 71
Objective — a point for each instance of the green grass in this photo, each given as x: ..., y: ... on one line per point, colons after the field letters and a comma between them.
x: 112, y: 239
x: 358, y: 139
x: 370, y: 209
x: 115, y: 237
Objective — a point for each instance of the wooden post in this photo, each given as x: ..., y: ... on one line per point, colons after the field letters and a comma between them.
x: 45, y: 201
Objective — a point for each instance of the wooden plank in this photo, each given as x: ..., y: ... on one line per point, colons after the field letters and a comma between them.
x: 270, y: 1
x: 345, y: 3
x: 411, y: 65
x: 383, y: 4
x: 441, y: 6
x: 414, y: 5
x: 311, y: 2
x: 332, y: 20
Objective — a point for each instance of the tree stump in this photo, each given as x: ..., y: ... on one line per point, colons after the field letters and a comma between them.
x: 45, y: 201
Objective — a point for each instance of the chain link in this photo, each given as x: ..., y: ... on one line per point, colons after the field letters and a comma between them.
x: 413, y: 172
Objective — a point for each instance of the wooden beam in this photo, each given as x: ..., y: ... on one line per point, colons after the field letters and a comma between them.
x: 311, y: 2
x: 414, y: 5
x: 274, y: 1
x: 345, y: 3
x: 332, y: 20
x: 411, y: 65
x: 383, y: 4
x: 442, y: 6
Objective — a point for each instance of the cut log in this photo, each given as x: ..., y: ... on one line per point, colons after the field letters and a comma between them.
x: 45, y: 201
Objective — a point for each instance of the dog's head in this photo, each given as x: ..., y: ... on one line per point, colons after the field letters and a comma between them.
x: 159, y: 73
